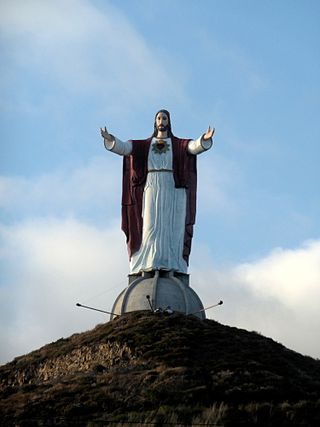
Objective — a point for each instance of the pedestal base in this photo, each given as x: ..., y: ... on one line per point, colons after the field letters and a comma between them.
x: 164, y: 288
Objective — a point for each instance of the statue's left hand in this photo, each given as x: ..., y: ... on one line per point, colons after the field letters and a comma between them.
x: 209, y: 133
x: 105, y: 134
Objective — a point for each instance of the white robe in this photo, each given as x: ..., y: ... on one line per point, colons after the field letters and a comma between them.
x: 163, y: 209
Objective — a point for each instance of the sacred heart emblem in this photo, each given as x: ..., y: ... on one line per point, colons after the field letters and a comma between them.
x: 160, y: 146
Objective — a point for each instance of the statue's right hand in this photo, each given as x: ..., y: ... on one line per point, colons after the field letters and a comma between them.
x: 105, y: 135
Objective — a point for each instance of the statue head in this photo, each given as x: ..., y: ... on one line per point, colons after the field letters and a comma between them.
x: 168, y: 126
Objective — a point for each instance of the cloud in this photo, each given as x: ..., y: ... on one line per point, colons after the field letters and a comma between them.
x: 292, y: 276
x: 50, y: 265
x: 92, y: 51
x: 92, y: 190
x: 276, y: 295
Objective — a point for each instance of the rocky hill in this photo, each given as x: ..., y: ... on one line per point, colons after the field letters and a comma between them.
x: 157, y: 369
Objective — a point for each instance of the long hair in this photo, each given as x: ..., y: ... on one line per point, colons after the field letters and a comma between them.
x: 155, y: 130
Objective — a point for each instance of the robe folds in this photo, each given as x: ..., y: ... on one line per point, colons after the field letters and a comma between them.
x: 135, y: 170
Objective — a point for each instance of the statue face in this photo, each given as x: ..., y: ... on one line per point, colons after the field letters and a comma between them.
x: 162, y: 122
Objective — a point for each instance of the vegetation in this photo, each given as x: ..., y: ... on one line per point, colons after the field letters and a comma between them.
x: 172, y: 370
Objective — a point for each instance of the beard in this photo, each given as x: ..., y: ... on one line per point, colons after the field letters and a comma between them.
x: 163, y: 128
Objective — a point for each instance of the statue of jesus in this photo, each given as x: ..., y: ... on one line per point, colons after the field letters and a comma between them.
x: 159, y: 195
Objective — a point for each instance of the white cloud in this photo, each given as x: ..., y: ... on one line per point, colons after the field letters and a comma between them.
x: 291, y: 276
x: 49, y: 266
x: 93, y: 189
x: 49, y: 259
x: 86, y: 49
x: 277, y: 295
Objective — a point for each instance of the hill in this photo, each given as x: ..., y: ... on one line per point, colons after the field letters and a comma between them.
x: 157, y: 369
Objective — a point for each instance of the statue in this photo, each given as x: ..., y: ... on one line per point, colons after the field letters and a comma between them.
x: 159, y: 195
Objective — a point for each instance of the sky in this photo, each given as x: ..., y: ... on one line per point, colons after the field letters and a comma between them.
x: 249, y: 68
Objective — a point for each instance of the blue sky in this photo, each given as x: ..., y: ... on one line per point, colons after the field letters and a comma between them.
x: 250, y: 68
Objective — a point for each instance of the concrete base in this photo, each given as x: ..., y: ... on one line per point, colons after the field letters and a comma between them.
x: 165, y: 288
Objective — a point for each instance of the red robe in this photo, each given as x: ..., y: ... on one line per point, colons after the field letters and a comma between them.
x: 135, y: 169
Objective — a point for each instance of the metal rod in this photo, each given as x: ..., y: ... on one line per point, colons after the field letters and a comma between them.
x: 148, y: 298
x: 207, y: 308
x: 95, y: 309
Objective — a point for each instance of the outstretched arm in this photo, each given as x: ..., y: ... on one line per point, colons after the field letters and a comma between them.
x: 203, y: 143
x: 114, y: 144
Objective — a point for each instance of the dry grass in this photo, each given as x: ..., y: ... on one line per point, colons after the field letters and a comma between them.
x: 181, y: 371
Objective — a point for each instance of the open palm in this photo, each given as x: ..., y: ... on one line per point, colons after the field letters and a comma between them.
x: 209, y: 133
